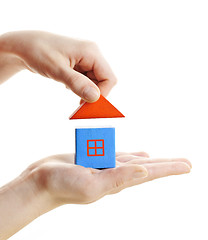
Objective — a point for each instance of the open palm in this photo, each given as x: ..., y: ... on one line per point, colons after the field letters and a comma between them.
x: 70, y: 183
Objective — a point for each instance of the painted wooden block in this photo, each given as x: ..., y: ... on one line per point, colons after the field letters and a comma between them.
x: 99, y: 109
x: 95, y: 147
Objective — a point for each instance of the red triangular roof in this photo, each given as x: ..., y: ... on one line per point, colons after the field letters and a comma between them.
x: 102, y: 108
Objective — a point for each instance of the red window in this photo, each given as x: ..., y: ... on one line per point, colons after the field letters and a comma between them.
x: 95, y: 147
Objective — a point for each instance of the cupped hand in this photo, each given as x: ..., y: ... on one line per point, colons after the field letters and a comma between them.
x: 78, y: 64
x: 70, y: 183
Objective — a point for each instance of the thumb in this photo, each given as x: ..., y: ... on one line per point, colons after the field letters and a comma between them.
x: 81, y: 85
x: 118, y: 178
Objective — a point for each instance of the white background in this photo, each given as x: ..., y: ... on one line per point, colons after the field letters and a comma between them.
x: 159, y: 52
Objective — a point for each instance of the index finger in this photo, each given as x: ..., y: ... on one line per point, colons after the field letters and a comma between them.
x: 104, y: 75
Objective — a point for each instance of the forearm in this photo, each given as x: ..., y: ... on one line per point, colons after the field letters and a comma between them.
x: 10, y: 63
x: 21, y: 201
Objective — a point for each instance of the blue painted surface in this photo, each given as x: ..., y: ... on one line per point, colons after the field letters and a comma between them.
x: 106, y: 134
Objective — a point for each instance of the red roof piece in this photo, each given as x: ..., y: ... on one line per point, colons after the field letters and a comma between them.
x: 102, y: 108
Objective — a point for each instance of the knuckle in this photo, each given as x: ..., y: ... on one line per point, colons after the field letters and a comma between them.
x: 89, y: 47
x: 114, y: 81
x: 93, y: 45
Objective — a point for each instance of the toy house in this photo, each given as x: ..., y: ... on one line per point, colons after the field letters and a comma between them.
x: 95, y: 147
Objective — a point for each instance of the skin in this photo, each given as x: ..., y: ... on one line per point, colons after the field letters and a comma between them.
x: 78, y: 64
x: 56, y: 180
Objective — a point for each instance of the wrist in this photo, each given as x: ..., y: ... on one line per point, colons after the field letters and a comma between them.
x: 21, y: 201
x: 42, y: 184
x: 9, y: 51
x: 37, y: 191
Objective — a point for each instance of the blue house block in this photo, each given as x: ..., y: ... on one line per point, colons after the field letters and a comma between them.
x: 95, y: 147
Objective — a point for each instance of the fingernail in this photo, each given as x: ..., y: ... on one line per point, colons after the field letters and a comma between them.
x: 90, y: 94
x: 186, y: 168
x: 142, y: 172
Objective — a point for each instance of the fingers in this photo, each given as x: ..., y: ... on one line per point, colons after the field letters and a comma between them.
x: 89, y: 74
x: 141, y: 154
x: 104, y: 75
x: 96, y: 68
x: 122, y: 157
x: 157, y: 170
x: 125, y: 159
x: 141, y: 161
x: 81, y: 85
